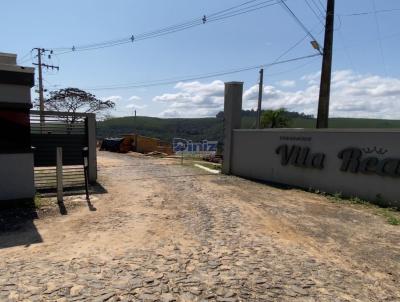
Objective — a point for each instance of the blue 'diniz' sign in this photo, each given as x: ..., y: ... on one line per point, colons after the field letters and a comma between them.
x: 187, y: 146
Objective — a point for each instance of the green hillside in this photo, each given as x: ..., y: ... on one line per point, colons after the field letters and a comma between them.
x: 211, y: 128
x: 348, y: 123
x: 165, y: 129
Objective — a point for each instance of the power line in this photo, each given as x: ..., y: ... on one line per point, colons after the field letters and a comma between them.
x: 25, y: 57
x: 345, y: 48
x: 318, y: 16
x: 320, y: 7
x: 189, y: 23
x: 270, y: 75
x: 291, y: 48
x: 211, y: 74
x: 300, y: 23
x: 228, y: 9
x: 297, y: 43
x: 174, y: 80
x: 378, y: 30
x: 371, y: 12
x: 237, y: 10
x: 173, y: 29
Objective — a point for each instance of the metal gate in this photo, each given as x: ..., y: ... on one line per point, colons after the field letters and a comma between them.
x: 50, y: 130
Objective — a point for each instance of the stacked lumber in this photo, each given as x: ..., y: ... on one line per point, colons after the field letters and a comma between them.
x: 126, y: 145
x: 120, y: 145
x: 136, y: 143
x: 145, y: 144
x: 110, y: 144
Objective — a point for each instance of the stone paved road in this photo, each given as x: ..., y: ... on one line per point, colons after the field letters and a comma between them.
x: 166, y: 232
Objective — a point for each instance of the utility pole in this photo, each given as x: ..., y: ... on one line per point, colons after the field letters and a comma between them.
x: 41, y: 96
x: 134, y: 120
x: 325, y: 85
x: 260, y: 93
x: 40, y: 65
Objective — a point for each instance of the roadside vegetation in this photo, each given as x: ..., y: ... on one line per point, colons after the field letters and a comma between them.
x: 392, y: 215
x: 38, y: 201
x: 275, y: 119
x: 212, y: 166
x: 211, y: 128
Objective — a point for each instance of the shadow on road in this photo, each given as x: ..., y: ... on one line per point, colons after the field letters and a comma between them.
x: 62, y: 208
x: 16, y: 224
x: 94, y: 189
x: 90, y: 205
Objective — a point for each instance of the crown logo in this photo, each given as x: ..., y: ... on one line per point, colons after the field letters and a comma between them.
x: 379, y: 151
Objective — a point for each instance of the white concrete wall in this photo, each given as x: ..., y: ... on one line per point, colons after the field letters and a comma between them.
x: 254, y: 156
x: 16, y: 176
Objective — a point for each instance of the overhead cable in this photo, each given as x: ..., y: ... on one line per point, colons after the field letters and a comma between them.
x: 294, y: 16
x: 240, y: 9
x: 199, y: 77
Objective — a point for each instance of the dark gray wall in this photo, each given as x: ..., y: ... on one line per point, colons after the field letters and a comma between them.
x: 16, y: 161
x: 254, y: 155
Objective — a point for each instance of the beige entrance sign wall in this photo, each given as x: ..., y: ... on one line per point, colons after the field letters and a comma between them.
x: 362, y: 163
x: 355, y: 163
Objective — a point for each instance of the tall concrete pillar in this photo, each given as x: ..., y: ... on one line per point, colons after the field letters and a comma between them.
x: 232, y: 120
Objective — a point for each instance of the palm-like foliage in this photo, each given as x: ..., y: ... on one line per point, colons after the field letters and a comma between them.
x: 275, y: 119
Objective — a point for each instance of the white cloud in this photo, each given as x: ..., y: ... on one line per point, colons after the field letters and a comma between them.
x: 135, y: 106
x: 194, y: 99
x: 114, y: 98
x: 352, y: 95
x: 287, y: 83
x: 134, y: 98
x: 312, y: 78
x: 274, y: 98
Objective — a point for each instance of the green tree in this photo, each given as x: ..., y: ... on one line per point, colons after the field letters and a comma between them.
x: 275, y: 119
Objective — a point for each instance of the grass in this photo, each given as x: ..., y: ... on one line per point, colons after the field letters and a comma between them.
x: 38, y: 201
x: 210, y: 165
x: 191, y: 161
x: 391, y: 215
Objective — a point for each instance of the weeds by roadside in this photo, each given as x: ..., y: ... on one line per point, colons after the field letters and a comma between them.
x: 38, y: 201
x: 391, y: 215
x: 211, y: 165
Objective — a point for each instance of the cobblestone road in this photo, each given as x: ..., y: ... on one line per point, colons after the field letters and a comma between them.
x: 166, y: 232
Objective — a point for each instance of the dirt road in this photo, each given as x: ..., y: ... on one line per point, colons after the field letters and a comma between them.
x: 166, y: 232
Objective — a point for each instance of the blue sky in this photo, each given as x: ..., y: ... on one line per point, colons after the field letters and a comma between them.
x: 366, y: 79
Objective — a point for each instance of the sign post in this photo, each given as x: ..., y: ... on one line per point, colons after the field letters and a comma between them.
x: 85, y: 153
x: 59, y: 175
